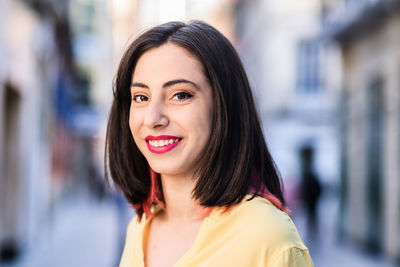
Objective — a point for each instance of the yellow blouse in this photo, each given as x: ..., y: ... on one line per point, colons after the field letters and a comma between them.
x: 253, y: 233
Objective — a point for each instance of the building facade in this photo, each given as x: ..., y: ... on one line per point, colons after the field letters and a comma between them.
x: 45, y: 117
x: 25, y: 75
x: 369, y: 37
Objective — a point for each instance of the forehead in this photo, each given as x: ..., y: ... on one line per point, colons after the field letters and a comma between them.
x: 168, y: 61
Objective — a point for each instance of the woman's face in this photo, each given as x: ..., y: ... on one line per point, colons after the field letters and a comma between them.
x: 170, y: 114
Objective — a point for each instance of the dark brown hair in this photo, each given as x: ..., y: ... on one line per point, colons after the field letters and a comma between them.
x: 235, y: 162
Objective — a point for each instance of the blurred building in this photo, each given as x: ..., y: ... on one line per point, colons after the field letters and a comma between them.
x: 46, y: 113
x: 284, y: 55
x: 369, y: 37
x: 27, y: 69
x: 91, y: 52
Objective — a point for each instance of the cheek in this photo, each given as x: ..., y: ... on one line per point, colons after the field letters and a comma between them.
x: 135, y: 127
x: 199, y: 122
x: 134, y: 122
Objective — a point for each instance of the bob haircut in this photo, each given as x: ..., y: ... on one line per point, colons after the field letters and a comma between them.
x: 236, y: 161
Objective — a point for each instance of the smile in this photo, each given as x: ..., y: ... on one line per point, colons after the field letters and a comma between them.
x: 161, y: 144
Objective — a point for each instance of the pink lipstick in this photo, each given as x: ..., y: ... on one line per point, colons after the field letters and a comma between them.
x: 162, y: 143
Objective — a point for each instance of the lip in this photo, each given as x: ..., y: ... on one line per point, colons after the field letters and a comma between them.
x: 162, y: 149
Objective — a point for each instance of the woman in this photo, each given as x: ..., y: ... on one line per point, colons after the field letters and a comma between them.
x: 185, y: 146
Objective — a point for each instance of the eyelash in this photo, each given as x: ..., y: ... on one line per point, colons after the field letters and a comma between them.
x: 178, y: 97
x: 185, y: 94
x: 135, y: 98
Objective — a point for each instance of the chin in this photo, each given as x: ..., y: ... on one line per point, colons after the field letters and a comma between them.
x: 162, y: 168
x: 167, y: 169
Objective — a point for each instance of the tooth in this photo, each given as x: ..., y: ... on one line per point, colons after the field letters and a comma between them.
x: 151, y: 143
x: 171, y: 141
x: 156, y: 143
x: 176, y: 140
x: 162, y: 143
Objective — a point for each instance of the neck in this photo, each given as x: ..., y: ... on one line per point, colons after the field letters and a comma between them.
x: 179, y: 204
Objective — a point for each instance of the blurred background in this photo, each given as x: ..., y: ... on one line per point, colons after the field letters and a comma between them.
x: 326, y: 77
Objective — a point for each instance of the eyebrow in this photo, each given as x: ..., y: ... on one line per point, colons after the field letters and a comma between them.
x: 167, y: 84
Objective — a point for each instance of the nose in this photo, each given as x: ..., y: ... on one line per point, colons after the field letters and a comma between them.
x: 155, y: 116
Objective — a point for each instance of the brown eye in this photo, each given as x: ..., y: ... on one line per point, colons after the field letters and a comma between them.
x: 140, y: 98
x: 182, y: 96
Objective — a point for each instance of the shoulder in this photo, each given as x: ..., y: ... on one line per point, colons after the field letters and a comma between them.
x: 261, y: 225
x: 293, y: 257
x: 269, y: 222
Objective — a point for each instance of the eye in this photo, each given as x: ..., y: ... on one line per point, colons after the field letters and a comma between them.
x: 140, y: 98
x: 182, y: 96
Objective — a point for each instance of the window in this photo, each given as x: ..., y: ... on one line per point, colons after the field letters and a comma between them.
x: 308, y: 66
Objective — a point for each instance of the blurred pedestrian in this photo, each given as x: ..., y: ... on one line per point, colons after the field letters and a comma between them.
x: 310, y: 191
x: 185, y: 145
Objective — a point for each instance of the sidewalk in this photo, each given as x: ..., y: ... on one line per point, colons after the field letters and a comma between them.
x: 326, y: 250
x: 83, y: 232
